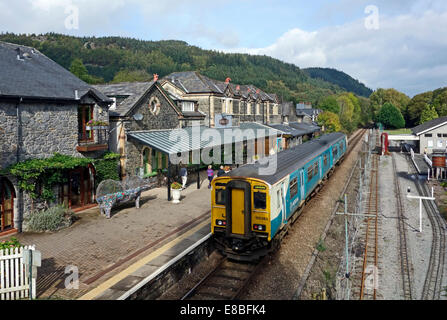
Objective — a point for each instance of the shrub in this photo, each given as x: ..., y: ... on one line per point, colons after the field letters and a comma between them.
x: 10, y: 244
x: 52, y: 219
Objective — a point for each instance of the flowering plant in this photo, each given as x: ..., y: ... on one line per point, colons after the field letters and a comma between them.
x: 176, y: 186
x: 96, y: 123
x: 10, y: 244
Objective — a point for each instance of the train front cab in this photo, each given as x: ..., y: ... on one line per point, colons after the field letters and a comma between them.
x: 240, y: 217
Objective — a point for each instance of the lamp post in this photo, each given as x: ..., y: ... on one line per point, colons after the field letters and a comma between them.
x: 432, y: 198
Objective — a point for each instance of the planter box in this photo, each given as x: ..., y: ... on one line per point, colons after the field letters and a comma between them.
x: 90, y: 128
x: 176, y: 195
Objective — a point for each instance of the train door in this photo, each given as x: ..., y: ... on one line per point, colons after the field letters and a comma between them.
x: 283, y: 204
x: 238, y: 211
x: 238, y: 208
x: 302, y: 184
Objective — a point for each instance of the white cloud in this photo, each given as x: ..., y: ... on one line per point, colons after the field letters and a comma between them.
x: 407, y: 52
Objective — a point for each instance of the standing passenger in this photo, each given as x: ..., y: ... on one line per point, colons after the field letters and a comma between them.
x: 210, y: 173
x: 184, y: 175
x: 221, y: 171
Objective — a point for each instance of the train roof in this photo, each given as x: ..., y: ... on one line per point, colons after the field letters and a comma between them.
x: 289, y: 160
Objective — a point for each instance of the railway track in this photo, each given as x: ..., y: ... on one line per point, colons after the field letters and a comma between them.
x: 229, y: 278
x: 225, y: 282
x: 433, y: 282
x: 402, y: 230
x: 370, y: 253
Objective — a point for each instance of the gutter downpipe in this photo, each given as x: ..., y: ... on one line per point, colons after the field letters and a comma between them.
x: 18, y: 201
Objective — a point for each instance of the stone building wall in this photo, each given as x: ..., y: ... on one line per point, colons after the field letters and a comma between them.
x: 44, y: 128
x: 8, y: 134
x: 166, y: 118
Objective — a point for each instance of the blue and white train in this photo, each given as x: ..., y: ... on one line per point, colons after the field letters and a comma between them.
x: 250, y: 212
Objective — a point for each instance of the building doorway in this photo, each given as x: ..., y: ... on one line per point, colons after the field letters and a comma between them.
x: 7, y: 195
x: 78, y: 190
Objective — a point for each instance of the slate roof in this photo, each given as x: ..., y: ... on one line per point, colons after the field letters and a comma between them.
x: 307, y: 112
x: 428, y: 125
x: 288, y: 130
x: 184, y: 140
x: 38, y: 77
x: 193, y: 82
x: 288, y: 160
x: 306, y: 127
x: 131, y: 91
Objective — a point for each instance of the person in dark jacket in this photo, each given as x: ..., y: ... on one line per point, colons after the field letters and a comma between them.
x: 221, y: 171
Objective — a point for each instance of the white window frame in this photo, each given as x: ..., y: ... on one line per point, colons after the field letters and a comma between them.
x: 188, y: 106
x: 430, y: 143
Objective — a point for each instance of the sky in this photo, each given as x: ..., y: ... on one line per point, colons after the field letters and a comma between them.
x: 398, y: 44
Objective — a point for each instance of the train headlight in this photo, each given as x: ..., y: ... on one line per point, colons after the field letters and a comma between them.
x: 221, y: 223
x: 259, y: 227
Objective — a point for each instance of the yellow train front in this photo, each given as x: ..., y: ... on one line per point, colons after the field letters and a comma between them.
x: 251, y: 212
x: 241, y: 217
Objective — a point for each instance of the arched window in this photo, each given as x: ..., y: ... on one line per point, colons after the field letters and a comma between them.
x: 7, y: 195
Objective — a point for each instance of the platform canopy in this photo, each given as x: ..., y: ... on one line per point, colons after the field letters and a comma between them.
x: 194, y: 138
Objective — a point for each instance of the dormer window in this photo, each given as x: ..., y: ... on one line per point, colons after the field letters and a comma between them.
x: 188, y: 106
x: 113, y: 107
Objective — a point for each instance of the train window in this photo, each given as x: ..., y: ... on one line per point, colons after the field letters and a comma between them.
x: 260, y: 200
x: 293, y: 188
x: 335, y: 151
x: 278, y: 199
x: 316, y: 168
x: 325, y: 160
x: 310, y: 173
x: 220, y: 197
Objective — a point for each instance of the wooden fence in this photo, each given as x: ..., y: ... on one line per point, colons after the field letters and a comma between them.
x: 14, y: 275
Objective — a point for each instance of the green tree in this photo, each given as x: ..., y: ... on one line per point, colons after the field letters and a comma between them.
x: 78, y: 68
x: 330, y: 121
x: 391, y: 117
x: 428, y: 114
x: 329, y: 104
x: 440, y: 101
x: 416, y: 106
x: 381, y: 96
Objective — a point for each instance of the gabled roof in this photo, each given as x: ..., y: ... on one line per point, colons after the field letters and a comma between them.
x: 193, y: 82
x: 307, y: 112
x: 132, y: 92
x: 308, y: 128
x: 429, y: 125
x: 27, y: 73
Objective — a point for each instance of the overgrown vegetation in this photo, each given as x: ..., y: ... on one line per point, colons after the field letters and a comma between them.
x: 52, y: 219
x: 37, y: 177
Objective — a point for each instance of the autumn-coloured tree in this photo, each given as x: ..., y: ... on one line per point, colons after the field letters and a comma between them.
x: 330, y: 121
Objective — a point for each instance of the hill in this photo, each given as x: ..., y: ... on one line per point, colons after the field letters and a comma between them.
x: 341, y: 79
x: 109, y: 59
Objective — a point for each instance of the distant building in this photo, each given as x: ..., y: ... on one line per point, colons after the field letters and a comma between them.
x: 432, y: 135
x: 306, y: 113
x: 241, y: 103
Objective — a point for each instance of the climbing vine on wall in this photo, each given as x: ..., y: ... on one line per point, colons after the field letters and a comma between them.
x: 37, y: 177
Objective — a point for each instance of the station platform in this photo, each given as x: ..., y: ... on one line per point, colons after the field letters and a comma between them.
x: 102, y: 252
x: 421, y: 165
x: 122, y: 285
